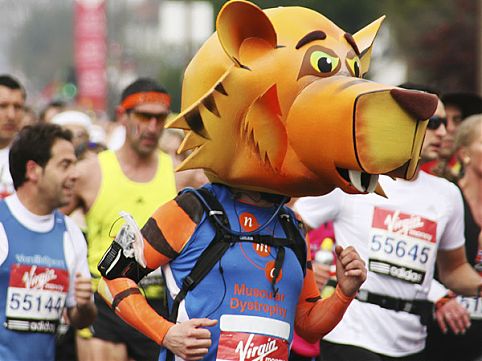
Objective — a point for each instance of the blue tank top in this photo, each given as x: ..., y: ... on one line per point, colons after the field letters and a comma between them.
x: 35, y: 280
x: 238, y: 291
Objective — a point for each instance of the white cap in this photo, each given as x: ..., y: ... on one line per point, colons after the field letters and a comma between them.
x: 72, y: 117
x: 97, y: 134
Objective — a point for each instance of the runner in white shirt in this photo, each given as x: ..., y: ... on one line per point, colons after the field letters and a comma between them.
x: 43, y: 255
x: 399, y: 238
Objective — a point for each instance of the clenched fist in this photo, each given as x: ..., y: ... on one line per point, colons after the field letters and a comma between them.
x: 350, y: 270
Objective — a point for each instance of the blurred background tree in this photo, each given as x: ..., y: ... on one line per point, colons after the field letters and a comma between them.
x: 439, y: 42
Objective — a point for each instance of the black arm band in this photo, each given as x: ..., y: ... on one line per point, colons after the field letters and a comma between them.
x: 114, y: 264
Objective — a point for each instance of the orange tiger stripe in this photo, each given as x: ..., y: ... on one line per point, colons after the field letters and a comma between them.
x: 154, y: 259
x: 175, y: 224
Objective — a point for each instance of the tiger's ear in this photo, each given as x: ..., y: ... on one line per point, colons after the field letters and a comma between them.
x: 244, y: 31
x: 364, y: 39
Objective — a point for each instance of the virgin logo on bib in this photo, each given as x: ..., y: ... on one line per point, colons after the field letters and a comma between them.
x: 239, y: 346
x: 253, y: 338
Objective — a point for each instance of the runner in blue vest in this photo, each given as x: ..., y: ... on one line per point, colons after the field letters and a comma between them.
x: 43, y: 264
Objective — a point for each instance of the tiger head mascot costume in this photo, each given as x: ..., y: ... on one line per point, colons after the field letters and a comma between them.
x: 285, y: 109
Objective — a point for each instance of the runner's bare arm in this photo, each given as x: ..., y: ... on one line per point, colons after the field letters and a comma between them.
x: 457, y: 274
x: 84, y: 312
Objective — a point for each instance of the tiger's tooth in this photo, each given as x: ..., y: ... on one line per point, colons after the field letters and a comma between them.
x: 373, y: 183
x: 379, y: 190
x: 355, y: 179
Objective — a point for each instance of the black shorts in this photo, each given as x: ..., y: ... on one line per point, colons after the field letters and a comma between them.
x: 110, y: 327
x: 449, y: 347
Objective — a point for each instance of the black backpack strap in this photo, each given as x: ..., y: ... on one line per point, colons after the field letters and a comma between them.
x: 211, y: 255
x: 278, y: 264
x: 294, y: 240
x: 206, y: 261
x: 297, y: 240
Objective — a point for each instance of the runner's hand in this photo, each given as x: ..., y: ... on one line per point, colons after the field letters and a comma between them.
x: 189, y: 339
x: 452, y: 314
x: 350, y: 270
x: 83, y: 290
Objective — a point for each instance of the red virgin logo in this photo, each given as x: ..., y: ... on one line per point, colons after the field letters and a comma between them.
x: 38, y: 281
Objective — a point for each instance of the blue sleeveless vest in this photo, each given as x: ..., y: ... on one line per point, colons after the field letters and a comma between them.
x: 34, y: 282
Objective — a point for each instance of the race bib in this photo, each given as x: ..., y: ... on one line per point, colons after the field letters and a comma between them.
x: 35, y: 298
x: 401, y: 246
x: 473, y: 306
x: 252, y: 338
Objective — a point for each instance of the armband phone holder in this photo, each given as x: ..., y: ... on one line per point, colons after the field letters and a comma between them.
x: 126, y: 253
x: 131, y: 240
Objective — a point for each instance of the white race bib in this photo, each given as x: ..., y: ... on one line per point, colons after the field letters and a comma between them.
x: 473, y: 306
x: 401, y: 246
x: 35, y: 298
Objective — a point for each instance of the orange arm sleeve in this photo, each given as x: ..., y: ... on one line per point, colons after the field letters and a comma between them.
x: 165, y: 235
x: 315, y: 317
x: 167, y: 232
x: 132, y: 307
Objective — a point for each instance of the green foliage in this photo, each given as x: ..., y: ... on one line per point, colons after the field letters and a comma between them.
x: 438, y: 40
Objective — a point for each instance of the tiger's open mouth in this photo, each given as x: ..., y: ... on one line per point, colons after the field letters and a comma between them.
x: 361, y: 181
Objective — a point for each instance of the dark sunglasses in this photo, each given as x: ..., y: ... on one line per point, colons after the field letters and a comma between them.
x: 147, y: 116
x: 435, y: 122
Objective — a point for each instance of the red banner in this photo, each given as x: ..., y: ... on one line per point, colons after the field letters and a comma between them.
x: 90, y: 38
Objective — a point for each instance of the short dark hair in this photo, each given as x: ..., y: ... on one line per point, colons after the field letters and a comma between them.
x: 10, y: 82
x: 142, y: 85
x: 468, y: 103
x: 34, y: 143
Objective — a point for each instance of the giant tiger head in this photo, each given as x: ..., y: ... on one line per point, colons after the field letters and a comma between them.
x: 275, y: 101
